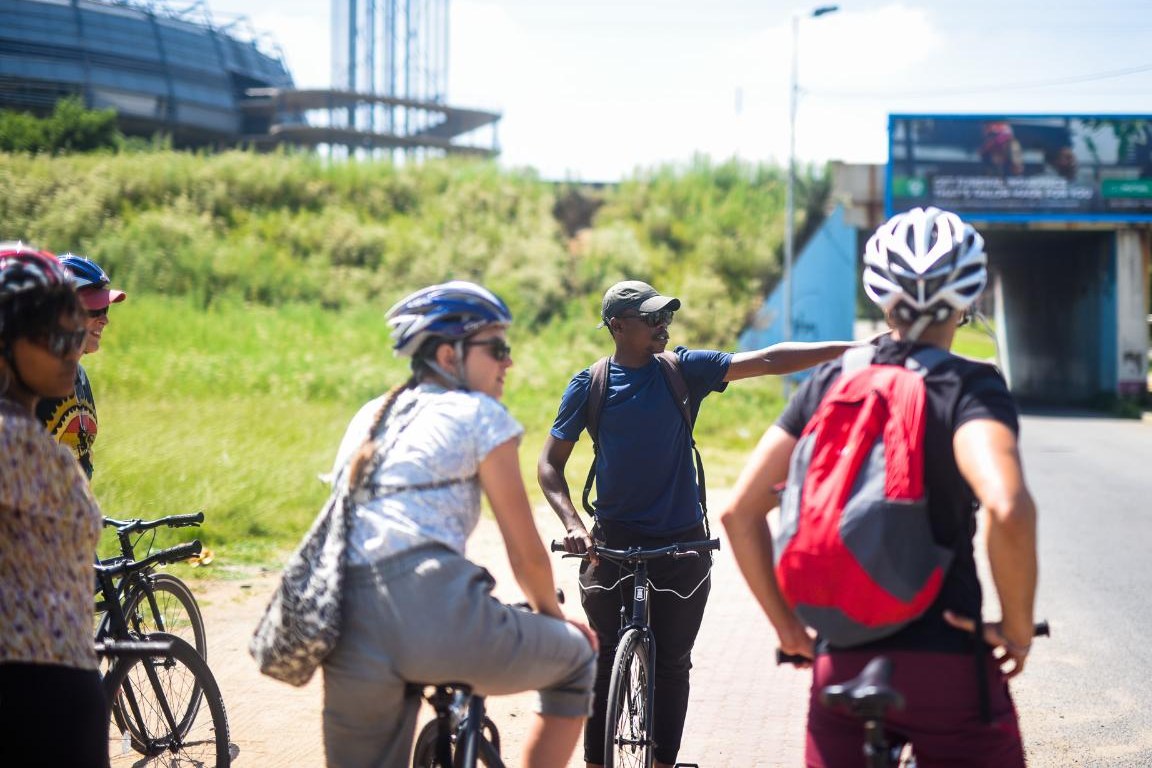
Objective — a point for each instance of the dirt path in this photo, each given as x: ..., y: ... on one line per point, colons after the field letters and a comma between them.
x: 745, y: 712
x: 276, y: 725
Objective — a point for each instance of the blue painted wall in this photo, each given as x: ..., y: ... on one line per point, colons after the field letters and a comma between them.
x: 824, y: 291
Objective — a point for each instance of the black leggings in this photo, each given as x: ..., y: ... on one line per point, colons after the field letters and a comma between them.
x: 675, y: 623
x: 52, y: 716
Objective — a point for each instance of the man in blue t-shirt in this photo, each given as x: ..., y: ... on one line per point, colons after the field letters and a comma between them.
x: 646, y: 489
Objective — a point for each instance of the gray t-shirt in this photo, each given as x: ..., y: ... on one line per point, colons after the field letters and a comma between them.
x: 433, y: 435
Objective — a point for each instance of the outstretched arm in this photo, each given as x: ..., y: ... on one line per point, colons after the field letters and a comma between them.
x: 786, y: 357
x: 745, y: 520
x: 989, y: 459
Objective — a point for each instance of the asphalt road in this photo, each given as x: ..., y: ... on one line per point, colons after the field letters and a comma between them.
x: 1085, y: 698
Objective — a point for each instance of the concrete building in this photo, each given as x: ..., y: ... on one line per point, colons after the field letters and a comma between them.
x: 181, y: 73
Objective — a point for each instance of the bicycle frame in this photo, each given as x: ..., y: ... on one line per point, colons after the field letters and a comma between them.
x: 636, y: 645
x: 131, y: 573
x: 118, y: 630
x: 459, y: 728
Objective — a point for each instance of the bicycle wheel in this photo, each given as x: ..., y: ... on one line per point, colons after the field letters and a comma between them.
x: 157, y: 717
x: 424, y: 755
x: 628, y: 727
x: 164, y: 603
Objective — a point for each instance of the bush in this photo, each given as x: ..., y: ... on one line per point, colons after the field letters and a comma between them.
x: 70, y: 128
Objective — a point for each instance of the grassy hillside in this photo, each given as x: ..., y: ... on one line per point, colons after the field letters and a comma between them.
x: 235, y: 409
x: 278, y: 229
x: 258, y: 285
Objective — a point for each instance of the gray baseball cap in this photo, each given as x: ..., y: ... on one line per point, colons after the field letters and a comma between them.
x: 637, y: 295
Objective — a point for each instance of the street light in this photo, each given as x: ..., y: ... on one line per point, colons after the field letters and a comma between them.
x: 790, y: 194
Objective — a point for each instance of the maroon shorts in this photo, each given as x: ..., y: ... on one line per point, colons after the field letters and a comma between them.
x: 941, y: 717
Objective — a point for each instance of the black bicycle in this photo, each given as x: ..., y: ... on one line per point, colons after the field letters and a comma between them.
x: 461, y: 736
x: 869, y: 697
x: 154, y: 601
x: 166, y: 707
x: 628, y: 736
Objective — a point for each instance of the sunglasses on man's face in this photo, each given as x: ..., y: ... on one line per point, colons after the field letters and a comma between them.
x: 95, y: 313
x: 498, y: 348
x: 60, y: 342
x: 653, y: 319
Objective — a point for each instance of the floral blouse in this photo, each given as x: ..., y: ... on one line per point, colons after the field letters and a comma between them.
x: 49, y: 530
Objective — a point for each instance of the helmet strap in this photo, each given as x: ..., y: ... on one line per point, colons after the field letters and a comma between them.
x: 457, y: 379
x: 461, y: 371
x: 917, y: 327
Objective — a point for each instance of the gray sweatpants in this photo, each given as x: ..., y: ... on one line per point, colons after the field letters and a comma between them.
x: 427, y: 616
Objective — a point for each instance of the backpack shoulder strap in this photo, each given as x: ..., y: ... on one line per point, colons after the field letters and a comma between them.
x: 858, y: 358
x: 593, y: 407
x: 597, y: 395
x: 670, y: 367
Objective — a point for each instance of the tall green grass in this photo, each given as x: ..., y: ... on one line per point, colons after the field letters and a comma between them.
x: 258, y: 286
x: 236, y: 409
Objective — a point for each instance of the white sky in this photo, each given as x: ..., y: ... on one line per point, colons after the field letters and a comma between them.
x: 591, y: 90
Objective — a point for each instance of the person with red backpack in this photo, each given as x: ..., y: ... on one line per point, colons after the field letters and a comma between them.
x: 639, y: 406
x: 884, y: 459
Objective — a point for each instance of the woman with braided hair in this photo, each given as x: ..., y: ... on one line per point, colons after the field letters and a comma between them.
x: 52, y: 710
x: 415, y: 610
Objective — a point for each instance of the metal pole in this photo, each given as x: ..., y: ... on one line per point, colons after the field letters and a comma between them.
x: 790, y: 189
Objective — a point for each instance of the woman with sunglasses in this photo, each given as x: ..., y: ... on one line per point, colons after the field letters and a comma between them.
x: 52, y: 710
x: 72, y: 419
x: 415, y: 610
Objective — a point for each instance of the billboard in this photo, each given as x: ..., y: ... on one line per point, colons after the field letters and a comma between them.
x: 1023, y: 167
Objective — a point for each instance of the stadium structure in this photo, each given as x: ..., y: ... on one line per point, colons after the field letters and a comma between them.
x: 205, y: 83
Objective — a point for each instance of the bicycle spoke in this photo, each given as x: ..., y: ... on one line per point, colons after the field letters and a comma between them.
x: 164, y: 716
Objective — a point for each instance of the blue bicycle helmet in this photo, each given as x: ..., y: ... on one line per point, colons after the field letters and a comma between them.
x: 91, y: 281
x: 84, y: 271
x: 451, y: 311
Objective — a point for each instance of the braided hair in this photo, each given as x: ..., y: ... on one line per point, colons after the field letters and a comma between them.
x: 360, y: 460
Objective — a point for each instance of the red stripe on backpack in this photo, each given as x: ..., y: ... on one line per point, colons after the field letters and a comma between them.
x: 855, y: 555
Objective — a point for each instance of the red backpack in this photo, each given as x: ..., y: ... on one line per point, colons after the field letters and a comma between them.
x: 855, y: 555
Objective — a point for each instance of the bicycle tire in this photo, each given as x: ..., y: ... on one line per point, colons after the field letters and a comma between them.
x: 424, y: 754
x: 179, y: 716
x: 628, y: 726
x: 178, y: 612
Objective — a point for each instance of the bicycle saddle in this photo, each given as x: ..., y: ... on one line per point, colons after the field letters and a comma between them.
x: 868, y: 695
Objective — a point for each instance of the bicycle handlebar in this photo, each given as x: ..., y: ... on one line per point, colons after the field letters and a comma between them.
x: 185, y: 551
x: 1040, y: 629
x: 636, y: 554
x: 170, y: 521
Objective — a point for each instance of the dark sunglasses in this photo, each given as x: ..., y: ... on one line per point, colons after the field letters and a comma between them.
x: 498, y: 348
x: 94, y: 313
x: 60, y: 342
x: 654, y: 319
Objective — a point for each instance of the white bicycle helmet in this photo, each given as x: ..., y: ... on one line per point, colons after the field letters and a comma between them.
x: 924, y: 265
